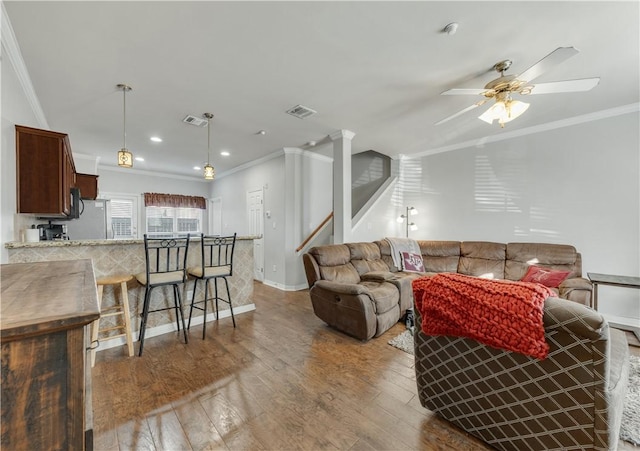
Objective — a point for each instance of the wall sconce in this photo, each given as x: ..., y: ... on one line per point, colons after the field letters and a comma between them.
x: 410, y: 211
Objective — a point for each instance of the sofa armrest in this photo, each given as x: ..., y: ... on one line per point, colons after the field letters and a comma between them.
x: 573, y: 318
x: 576, y: 289
x: 342, y: 288
x: 347, y: 307
x: 378, y: 276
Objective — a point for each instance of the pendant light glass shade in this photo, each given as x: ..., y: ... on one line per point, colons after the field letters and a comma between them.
x: 209, y: 171
x: 125, y: 158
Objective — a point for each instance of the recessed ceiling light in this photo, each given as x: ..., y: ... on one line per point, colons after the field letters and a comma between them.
x: 196, y: 168
x: 261, y: 132
x: 139, y: 159
x: 224, y: 153
x: 156, y: 139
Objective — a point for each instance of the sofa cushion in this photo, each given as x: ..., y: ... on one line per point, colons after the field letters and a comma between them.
x: 384, y: 295
x: 547, y: 277
x: 340, y: 273
x: 411, y: 262
x: 482, y: 259
x: 385, y: 253
x: 440, y: 256
x: 520, y: 256
x: 334, y: 263
x: 366, y: 258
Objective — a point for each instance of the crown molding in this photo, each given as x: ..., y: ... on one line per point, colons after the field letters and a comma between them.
x: 342, y: 134
x: 11, y: 50
x: 569, y: 122
x: 150, y: 173
x: 242, y: 167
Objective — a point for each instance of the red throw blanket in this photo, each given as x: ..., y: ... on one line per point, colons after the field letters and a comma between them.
x: 498, y: 313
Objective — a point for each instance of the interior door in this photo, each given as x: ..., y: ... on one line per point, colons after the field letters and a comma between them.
x: 256, y: 227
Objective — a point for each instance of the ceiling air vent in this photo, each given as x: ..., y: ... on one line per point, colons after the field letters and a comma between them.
x: 193, y: 120
x: 300, y: 111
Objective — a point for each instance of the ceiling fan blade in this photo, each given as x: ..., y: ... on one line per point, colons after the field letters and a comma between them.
x: 556, y: 57
x: 464, y: 92
x: 469, y: 108
x: 584, y: 84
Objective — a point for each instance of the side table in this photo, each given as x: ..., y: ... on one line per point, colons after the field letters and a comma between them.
x: 613, y: 280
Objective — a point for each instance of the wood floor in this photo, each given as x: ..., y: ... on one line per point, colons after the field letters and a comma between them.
x: 281, y: 380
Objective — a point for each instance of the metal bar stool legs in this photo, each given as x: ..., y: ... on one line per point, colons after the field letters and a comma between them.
x: 207, y: 299
x: 228, y: 300
x: 118, y: 309
x: 177, y: 306
x: 204, y: 307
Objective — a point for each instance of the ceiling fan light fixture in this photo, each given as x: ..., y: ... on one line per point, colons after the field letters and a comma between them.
x: 504, y: 111
x: 515, y: 108
x: 495, y: 111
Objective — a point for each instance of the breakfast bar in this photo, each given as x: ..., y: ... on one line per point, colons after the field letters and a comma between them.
x: 117, y: 257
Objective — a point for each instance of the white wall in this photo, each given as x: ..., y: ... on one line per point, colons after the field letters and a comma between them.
x: 15, y: 110
x: 232, y: 189
x: 297, y: 197
x: 317, y: 195
x: 136, y: 182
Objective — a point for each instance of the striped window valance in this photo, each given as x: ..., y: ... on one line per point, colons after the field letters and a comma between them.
x: 174, y: 200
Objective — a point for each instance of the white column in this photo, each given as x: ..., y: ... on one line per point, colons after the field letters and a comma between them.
x: 342, y: 185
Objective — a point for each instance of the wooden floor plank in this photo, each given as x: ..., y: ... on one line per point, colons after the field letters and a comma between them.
x: 281, y: 379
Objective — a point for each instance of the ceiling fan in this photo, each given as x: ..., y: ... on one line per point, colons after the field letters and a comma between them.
x: 505, y: 108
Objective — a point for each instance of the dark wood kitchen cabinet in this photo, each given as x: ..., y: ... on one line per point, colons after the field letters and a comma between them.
x: 45, y: 172
x: 88, y: 185
x: 46, y: 310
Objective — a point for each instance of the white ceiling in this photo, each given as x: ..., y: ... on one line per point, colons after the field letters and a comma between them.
x: 375, y: 68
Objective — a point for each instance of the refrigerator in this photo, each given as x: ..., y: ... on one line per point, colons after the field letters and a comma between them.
x: 94, y: 222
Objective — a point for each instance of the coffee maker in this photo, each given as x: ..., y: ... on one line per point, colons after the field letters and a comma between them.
x: 51, y: 232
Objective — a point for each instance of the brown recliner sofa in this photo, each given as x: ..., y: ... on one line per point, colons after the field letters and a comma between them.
x: 357, y: 289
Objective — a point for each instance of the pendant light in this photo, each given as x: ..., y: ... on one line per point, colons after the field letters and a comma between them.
x: 209, y: 172
x: 125, y: 158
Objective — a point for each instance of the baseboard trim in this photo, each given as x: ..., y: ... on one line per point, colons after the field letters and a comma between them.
x: 283, y: 287
x: 168, y: 328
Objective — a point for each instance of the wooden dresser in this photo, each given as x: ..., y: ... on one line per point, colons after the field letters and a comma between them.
x: 45, y: 309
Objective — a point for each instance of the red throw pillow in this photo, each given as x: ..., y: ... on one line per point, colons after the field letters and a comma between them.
x: 548, y: 277
x: 412, y: 262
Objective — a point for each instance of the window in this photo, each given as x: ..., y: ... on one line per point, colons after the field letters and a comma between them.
x: 123, y: 210
x: 172, y: 221
x: 122, y: 218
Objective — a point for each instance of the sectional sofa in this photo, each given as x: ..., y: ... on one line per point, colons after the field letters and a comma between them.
x: 572, y: 399
x: 358, y: 289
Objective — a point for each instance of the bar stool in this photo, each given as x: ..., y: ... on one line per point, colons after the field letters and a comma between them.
x: 216, y: 263
x: 166, y: 265
x: 119, y: 309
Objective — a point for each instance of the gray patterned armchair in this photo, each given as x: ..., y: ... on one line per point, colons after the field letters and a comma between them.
x: 573, y: 399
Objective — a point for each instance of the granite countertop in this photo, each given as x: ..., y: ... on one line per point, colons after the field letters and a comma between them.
x: 74, y: 243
